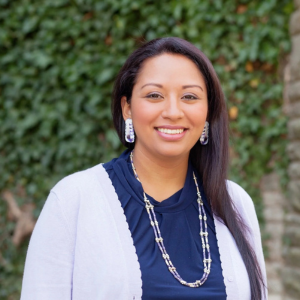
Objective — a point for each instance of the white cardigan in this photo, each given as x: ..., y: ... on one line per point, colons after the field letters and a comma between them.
x: 81, y: 247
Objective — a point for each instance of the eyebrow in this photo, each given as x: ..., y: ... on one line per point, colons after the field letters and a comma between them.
x: 184, y: 86
x: 192, y: 85
x: 155, y: 84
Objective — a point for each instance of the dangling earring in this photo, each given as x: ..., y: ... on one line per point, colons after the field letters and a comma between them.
x: 204, y: 135
x: 129, y: 132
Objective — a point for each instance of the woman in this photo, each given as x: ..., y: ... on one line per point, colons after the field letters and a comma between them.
x: 161, y: 221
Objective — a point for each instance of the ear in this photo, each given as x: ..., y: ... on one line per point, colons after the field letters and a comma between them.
x: 126, y: 110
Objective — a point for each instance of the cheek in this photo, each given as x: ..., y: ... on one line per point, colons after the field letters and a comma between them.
x: 198, y: 115
x: 143, y: 115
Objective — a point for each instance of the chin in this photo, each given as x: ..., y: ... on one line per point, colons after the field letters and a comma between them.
x: 172, y: 151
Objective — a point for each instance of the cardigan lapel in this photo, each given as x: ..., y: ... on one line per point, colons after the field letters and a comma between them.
x: 124, y: 234
x: 234, y: 271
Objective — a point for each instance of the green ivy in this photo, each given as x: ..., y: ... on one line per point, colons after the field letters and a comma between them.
x: 58, y: 61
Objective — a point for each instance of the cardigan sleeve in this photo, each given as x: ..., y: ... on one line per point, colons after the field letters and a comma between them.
x: 246, y: 209
x: 49, y: 260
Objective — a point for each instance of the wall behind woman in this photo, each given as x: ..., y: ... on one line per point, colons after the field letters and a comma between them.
x: 291, y: 251
x: 58, y: 60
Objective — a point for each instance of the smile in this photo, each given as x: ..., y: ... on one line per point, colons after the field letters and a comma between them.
x: 170, y: 131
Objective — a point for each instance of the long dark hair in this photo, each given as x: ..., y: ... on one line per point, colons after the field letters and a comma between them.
x: 211, y: 160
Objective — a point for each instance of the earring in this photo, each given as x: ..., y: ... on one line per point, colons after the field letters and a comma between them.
x: 129, y: 132
x: 204, y: 135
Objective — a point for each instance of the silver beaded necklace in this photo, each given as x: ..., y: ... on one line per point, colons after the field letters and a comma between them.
x: 159, y: 240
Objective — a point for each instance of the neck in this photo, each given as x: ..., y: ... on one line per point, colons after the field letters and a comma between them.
x: 161, y: 177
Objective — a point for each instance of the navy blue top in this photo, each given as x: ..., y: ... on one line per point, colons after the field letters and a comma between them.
x: 178, y: 220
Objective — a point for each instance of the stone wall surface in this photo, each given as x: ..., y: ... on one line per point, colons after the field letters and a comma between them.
x: 290, y: 273
x: 273, y: 200
x: 282, y: 212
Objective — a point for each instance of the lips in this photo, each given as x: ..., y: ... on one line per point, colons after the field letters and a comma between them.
x: 170, y: 131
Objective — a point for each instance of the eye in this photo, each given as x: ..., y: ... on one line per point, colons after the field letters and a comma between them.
x: 189, y: 97
x: 154, y: 96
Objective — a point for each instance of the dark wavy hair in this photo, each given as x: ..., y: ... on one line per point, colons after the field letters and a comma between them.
x: 211, y: 160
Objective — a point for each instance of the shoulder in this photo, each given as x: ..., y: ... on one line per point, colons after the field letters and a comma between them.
x: 236, y: 190
x: 78, y: 179
x: 75, y: 186
x: 239, y: 196
x: 242, y: 203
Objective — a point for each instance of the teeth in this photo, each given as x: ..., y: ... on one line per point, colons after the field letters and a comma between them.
x: 170, y: 131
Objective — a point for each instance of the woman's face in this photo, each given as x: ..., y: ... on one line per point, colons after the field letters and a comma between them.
x: 168, y: 106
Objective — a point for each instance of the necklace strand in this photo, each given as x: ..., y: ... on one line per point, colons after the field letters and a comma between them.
x: 159, y: 240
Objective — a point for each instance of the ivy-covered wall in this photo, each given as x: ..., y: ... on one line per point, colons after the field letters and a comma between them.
x: 58, y: 60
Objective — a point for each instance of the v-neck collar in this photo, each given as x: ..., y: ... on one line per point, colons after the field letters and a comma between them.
x: 177, y: 202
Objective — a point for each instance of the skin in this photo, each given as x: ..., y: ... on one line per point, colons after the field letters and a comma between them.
x: 169, y: 91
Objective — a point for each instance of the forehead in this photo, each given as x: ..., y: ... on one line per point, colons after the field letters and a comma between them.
x: 169, y: 67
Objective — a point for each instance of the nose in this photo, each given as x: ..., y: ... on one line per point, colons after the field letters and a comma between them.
x: 172, y: 109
